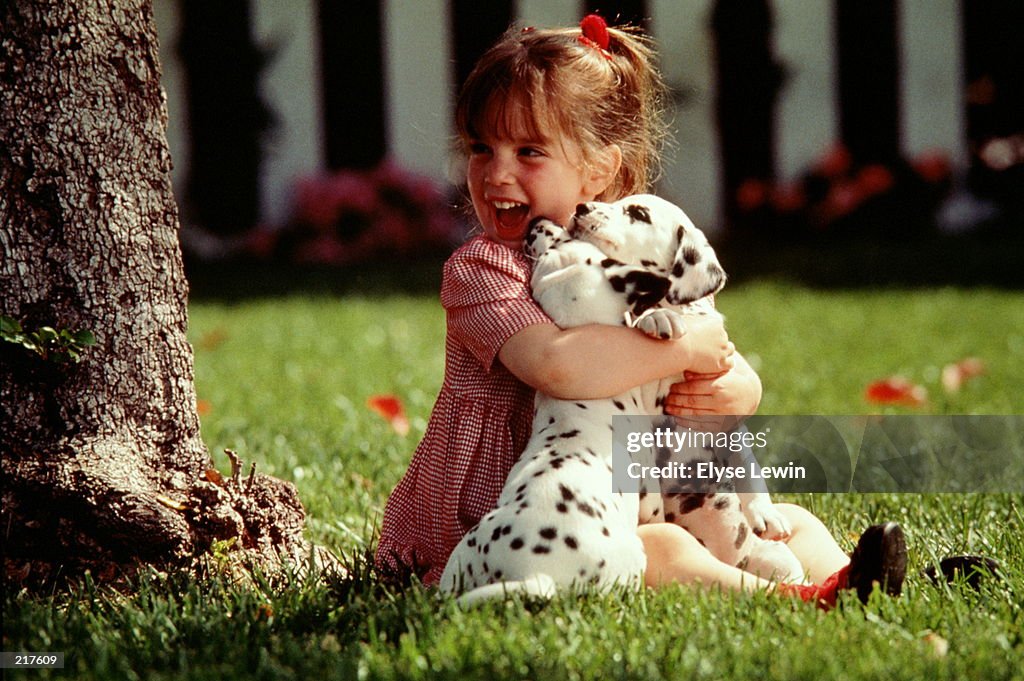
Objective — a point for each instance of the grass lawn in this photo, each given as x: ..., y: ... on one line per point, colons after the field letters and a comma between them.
x: 284, y: 381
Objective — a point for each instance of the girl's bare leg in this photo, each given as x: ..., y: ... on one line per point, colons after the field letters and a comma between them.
x: 675, y: 556
x: 813, y: 544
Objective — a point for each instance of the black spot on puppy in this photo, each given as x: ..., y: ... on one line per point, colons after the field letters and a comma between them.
x: 638, y: 213
x: 692, y: 501
x: 741, y: 535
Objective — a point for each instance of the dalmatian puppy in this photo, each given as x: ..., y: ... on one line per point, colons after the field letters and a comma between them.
x: 558, y: 520
x: 733, y: 526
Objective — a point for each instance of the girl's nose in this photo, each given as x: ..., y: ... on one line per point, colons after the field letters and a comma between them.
x: 499, y: 171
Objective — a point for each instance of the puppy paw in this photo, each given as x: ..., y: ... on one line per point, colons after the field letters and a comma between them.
x: 659, y: 322
x: 766, y: 520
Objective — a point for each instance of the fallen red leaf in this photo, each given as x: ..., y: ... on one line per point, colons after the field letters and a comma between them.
x: 955, y: 375
x: 390, y: 408
x: 896, y: 390
x: 203, y: 407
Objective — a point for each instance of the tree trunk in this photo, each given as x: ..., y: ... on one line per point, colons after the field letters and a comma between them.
x: 103, y: 464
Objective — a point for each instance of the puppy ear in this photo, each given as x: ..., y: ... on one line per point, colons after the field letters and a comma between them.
x: 695, y: 271
x: 644, y: 289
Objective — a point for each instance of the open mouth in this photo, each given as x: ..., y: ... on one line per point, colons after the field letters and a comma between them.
x: 511, y: 219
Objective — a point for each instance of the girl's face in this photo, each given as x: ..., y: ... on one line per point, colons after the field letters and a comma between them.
x: 514, y: 178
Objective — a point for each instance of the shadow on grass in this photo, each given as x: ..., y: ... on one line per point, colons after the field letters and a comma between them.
x: 993, y: 258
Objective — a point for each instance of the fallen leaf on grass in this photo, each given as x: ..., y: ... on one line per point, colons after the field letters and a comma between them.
x: 939, y: 645
x: 203, y: 407
x: 213, y: 339
x: 391, y: 409
x: 896, y: 390
x: 955, y: 375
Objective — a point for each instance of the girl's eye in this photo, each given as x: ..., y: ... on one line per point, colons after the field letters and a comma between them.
x: 530, y: 152
x: 478, y: 148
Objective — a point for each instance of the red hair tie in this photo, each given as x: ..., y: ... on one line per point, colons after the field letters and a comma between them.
x: 595, y: 34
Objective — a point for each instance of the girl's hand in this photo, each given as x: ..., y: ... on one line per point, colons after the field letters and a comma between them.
x: 711, y: 352
x: 735, y: 392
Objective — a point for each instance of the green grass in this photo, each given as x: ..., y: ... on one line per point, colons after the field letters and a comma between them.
x: 286, y: 381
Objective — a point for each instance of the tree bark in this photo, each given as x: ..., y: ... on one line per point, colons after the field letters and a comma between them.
x: 103, y: 464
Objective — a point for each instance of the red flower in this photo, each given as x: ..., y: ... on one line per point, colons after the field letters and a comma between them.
x: 875, y: 179
x: 933, y: 167
x: 789, y: 198
x: 843, y: 198
x: 751, y: 194
x: 896, y: 390
x: 391, y: 409
x: 836, y: 162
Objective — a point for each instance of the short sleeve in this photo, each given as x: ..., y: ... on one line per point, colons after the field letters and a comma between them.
x: 486, y: 294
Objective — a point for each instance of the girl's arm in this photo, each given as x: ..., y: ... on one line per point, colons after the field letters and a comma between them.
x: 597, y: 361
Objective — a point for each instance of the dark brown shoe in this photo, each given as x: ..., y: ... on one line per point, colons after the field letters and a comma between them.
x: 880, y: 558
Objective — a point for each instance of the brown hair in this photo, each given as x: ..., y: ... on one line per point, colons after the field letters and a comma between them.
x: 549, y: 77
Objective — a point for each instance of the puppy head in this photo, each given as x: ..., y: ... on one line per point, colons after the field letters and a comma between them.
x: 576, y: 283
x: 648, y: 231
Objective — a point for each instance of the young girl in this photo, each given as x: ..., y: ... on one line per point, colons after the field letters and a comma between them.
x: 550, y: 119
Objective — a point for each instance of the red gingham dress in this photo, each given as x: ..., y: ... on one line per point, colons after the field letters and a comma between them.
x: 482, y: 418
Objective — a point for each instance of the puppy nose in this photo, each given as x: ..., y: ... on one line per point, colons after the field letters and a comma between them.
x: 582, y: 209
